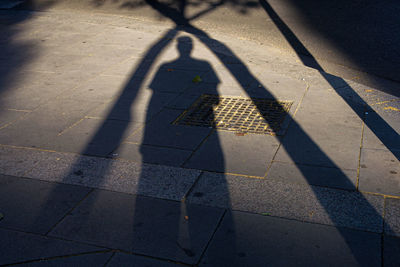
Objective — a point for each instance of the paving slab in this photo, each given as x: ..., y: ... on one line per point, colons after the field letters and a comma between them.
x: 326, y: 132
x: 322, y: 140
x: 18, y: 247
x: 146, y: 226
x: 253, y: 240
x: 230, y: 75
x: 391, y: 251
x: 187, y: 98
x: 103, y: 88
x: 117, y: 175
x: 94, y: 259
x: 94, y: 136
x: 161, y: 132
x: 41, y: 127
x: 152, y: 154
x: 313, y: 175
x: 273, y: 85
x: 137, y: 108
x: 36, y: 206
x: 379, y: 172
x: 228, y: 152
x: 392, y: 220
x: 121, y: 259
x: 381, y: 132
x: 27, y: 90
x: 290, y: 200
x: 11, y: 115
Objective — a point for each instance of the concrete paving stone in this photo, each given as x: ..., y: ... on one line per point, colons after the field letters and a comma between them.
x: 313, y: 175
x: 187, y: 98
x: 36, y: 206
x: 19, y: 247
x: 32, y: 89
x: 227, y: 152
x: 54, y: 62
x: 253, y: 240
x: 381, y: 132
x: 273, y: 85
x: 121, y: 259
x: 152, y: 154
x: 138, y: 108
x: 379, y: 172
x: 102, y: 88
x: 95, y: 259
x: 133, y: 67
x: 391, y: 251
x: 147, y: 226
x: 329, y: 102
x: 326, y: 81
x: 18, y: 161
x: 11, y: 115
x: 116, y: 175
x: 290, y: 200
x: 230, y: 75
x: 40, y: 127
x: 161, y: 132
x: 322, y: 140
x: 91, y: 136
x: 169, y: 80
x: 392, y: 220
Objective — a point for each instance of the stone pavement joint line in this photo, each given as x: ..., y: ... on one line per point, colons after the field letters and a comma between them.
x: 94, y: 171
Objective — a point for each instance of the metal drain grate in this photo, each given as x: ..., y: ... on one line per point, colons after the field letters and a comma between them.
x: 238, y: 114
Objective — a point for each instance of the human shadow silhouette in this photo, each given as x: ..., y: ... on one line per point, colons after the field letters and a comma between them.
x: 178, y: 221
x: 181, y: 238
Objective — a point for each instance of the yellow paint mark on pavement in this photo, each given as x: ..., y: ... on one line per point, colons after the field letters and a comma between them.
x: 391, y: 108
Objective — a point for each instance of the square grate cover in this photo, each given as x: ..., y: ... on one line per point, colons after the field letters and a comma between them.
x: 238, y: 114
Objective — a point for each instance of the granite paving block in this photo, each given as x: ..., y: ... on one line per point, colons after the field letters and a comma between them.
x: 313, y: 175
x: 290, y: 200
x: 95, y: 259
x: 392, y: 216
x: 391, y: 251
x: 379, y: 172
x: 228, y: 152
x: 137, y: 108
x: 121, y: 259
x: 147, y: 226
x: 381, y: 132
x: 19, y: 247
x: 322, y: 140
x: 117, y: 175
x: 92, y: 136
x: 152, y: 154
x: 36, y: 206
x: 17, y: 161
x: 253, y: 240
x: 161, y: 132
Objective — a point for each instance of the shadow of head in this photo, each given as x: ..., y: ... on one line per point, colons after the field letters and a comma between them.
x: 184, y: 46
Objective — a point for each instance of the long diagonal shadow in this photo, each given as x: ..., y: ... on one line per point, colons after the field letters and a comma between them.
x: 241, y: 70
x: 131, y: 89
x: 381, y: 129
